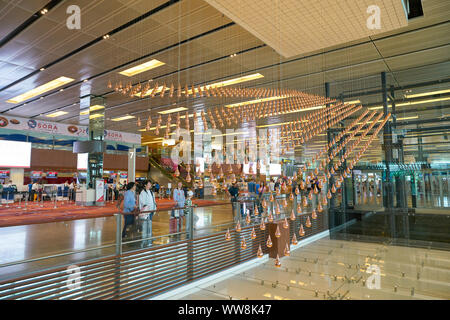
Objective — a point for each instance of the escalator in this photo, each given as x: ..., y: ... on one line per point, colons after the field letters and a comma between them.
x: 154, y: 164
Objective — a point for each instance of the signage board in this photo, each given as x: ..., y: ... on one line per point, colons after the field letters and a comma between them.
x: 99, y: 190
x: 52, y: 174
x: 36, y: 174
x: 4, y: 174
x: 35, y: 125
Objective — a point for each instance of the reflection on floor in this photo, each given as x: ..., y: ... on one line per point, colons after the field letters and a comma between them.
x: 35, y: 212
x: 334, y: 269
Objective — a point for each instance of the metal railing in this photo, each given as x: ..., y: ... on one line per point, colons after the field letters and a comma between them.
x: 143, y: 273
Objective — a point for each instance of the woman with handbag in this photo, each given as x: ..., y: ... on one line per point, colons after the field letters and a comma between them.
x: 146, y: 203
x: 129, y: 207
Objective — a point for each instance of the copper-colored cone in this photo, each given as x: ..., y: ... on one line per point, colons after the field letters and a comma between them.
x: 238, y: 227
x: 269, y: 242
x: 308, y: 222
x: 294, y: 240
x: 277, y: 262
x: 228, y: 235
x: 301, y: 231
x: 253, y: 234
x: 287, y: 252
x: 260, y: 253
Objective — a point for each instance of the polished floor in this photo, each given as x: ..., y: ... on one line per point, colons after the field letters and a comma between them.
x: 336, y: 270
x: 52, y: 239
x: 19, y: 213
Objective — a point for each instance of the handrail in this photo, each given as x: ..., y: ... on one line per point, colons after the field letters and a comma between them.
x: 109, y: 245
x: 145, y: 272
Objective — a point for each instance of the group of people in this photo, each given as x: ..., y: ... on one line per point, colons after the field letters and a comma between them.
x: 258, y: 188
x: 139, y: 202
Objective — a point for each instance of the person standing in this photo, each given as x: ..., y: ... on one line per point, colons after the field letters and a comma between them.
x: 147, y: 202
x: 179, y: 197
x: 129, y: 207
x: 234, y: 193
x: 272, y: 186
x: 71, y: 191
x: 251, y: 186
x: 177, y: 214
x: 34, y: 191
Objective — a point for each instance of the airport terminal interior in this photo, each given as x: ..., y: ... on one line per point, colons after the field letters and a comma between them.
x: 225, y: 149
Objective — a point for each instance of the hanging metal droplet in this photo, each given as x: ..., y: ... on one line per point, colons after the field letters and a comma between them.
x: 301, y: 232
x: 262, y: 226
x: 278, y: 232
x: 285, y: 223
x: 294, y: 240
x: 308, y: 222
x: 287, y: 252
x: 243, y: 244
x: 277, y: 262
x: 260, y: 253
x: 253, y: 234
x: 292, y: 217
x: 228, y: 235
x: 269, y: 242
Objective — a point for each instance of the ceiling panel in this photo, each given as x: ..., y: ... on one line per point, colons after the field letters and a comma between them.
x: 292, y: 27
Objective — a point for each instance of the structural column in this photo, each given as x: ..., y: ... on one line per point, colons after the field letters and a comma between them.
x: 131, y: 164
x: 92, y: 113
x: 97, y: 134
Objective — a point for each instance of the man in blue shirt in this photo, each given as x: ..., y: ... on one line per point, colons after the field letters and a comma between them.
x: 129, y: 206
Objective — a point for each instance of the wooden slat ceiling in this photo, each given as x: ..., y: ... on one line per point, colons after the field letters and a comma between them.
x: 203, y: 60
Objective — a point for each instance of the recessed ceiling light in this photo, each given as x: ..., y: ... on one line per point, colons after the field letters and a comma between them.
x: 421, y: 101
x: 123, y: 118
x: 412, y: 103
x: 91, y: 108
x: 56, y: 114
x: 352, y: 102
x: 173, y: 110
x: 142, y: 67
x: 42, y: 69
x: 41, y: 89
x: 93, y: 116
x: 230, y: 82
x: 255, y: 101
x: 158, y: 90
x: 426, y: 93
x: 96, y: 107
